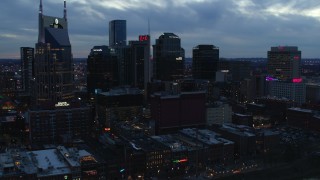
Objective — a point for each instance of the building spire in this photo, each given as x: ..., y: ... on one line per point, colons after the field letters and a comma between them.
x: 40, y: 7
x: 41, y: 31
x: 65, y: 10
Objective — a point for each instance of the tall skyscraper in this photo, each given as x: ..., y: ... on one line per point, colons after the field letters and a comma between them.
x: 140, y: 51
x: 102, y: 69
x: 117, y: 33
x: 56, y: 116
x: 27, y: 60
x: 284, y: 62
x: 205, y: 60
x: 168, y: 57
x: 53, y: 70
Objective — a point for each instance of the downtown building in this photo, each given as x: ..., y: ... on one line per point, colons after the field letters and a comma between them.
x: 109, y: 67
x: 54, y: 114
x: 27, y: 60
x: 284, y: 62
x: 102, y: 71
x: 168, y: 58
x: 284, y: 74
x: 117, y: 33
x: 57, y: 162
x: 172, y: 112
x: 205, y: 60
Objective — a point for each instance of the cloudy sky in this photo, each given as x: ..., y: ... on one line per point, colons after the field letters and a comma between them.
x: 240, y: 28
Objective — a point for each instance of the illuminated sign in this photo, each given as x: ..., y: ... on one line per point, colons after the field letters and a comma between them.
x: 107, y: 129
x: 269, y: 78
x: 143, y: 38
x: 91, y: 173
x: 62, y: 104
x: 297, y: 80
x: 180, y: 161
x: 179, y: 58
x: 97, y: 50
x: 296, y: 58
x: 87, y: 158
x: 225, y: 71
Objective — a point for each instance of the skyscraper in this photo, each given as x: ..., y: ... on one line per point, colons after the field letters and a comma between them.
x: 168, y: 56
x: 102, y: 69
x: 53, y: 70
x: 27, y: 58
x: 117, y: 33
x: 284, y: 62
x: 284, y: 67
x: 205, y: 60
x: 140, y: 52
x: 55, y: 116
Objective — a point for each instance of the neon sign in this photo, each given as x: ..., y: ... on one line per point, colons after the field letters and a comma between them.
x: 297, y: 80
x: 269, y: 78
x: 143, y: 38
x: 62, y: 104
x: 97, y: 50
x: 179, y: 58
x: 296, y: 57
x: 180, y: 161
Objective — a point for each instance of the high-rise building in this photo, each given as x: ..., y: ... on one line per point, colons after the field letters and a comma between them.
x: 55, y: 116
x: 140, y: 52
x: 27, y: 58
x: 205, y: 62
x: 117, y: 33
x: 102, y: 69
x: 168, y: 57
x: 284, y: 62
x: 53, y: 70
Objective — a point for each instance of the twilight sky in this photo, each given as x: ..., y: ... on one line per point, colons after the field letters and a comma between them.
x: 240, y: 28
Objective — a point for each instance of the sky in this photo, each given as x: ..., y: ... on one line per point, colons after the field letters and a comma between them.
x: 240, y: 28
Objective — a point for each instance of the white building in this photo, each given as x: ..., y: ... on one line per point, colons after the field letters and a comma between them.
x: 295, y: 91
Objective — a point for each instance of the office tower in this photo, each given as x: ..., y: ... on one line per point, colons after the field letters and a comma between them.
x: 53, y: 70
x: 56, y: 116
x: 284, y: 62
x: 168, y: 56
x: 140, y: 51
x: 102, y: 69
x: 27, y: 58
x: 117, y: 33
x: 238, y: 70
x: 205, y: 62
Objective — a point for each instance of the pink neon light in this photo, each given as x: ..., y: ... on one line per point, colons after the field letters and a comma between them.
x: 297, y: 80
x: 296, y: 57
x: 183, y: 160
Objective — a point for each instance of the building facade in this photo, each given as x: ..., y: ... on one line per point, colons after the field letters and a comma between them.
x: 27, y: 60
x: 205, y: 60
x: 173, y: 112
x: 168, y: 57
x: 295, y: 92
x: 140, y: 52
x: 102, y: 69
x: 117, y: 33
x: 284, y: 62
x: 53, y: 73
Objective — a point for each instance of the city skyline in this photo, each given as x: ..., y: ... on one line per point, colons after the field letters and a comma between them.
x: 240, y: 28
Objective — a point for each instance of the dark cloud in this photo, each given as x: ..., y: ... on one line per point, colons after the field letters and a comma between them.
x: 241, y: 28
